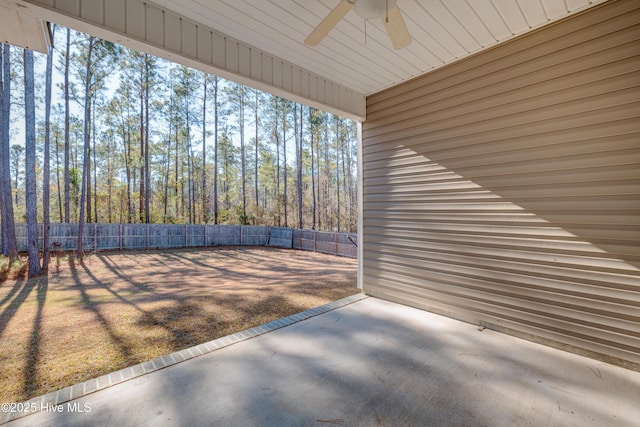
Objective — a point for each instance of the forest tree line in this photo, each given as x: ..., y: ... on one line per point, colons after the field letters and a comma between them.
x: 96, y: 132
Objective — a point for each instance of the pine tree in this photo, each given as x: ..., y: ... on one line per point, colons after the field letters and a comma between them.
x: 46, y: 167
x: 30, y: 167
x: 9, y: 244
x: 96, y: 68
x: 67, y: 130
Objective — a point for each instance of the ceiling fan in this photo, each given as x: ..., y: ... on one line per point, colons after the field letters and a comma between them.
x: 367, y: 9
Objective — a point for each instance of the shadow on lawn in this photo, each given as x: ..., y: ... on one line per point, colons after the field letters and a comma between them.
x: 23, y: 288
x: 266, y: 262
x: 186, y: 319
x: 31, y: 363
x: 123, y: 346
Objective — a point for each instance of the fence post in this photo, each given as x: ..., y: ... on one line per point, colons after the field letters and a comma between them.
x: 205, y: 234
x: 185, y: 236
x: 147, y: 237
x: 95, y: 237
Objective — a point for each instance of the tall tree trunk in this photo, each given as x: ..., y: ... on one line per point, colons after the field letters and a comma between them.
x: 176, y: 188
x: 127, y: 166
x: 190, y: 179
x: 143, y: 175
x: 109, y: 189
x: 85, y: 167
x: 67, y: 112
x: 299, y: 161
x: 60, y: 217
x: 168, y: 156
x: 352, y: 224
x: 257, y: 109
x: 284, y: 158
x: 313, y: 177
x: 205, y: 193
x: 95, y: 162
x: 277, y: 137
x: 190, y: 174
x: 243, y: 157
x: 3, y: 223
x: 215, y: 150
x: 338, y: 168
x: 88, y: 175
x: 344, y: 172
x: 327, y: 182
x: 46, y: 167
x: 147, y: 195
x: 227, y: 178
x: 9, y: 244
x: 30, y: 166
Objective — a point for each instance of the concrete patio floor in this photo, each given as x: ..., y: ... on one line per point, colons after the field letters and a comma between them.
x: 369, y: 363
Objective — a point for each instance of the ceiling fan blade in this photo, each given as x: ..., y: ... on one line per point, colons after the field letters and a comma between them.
x: 330, y: 21
x: 397, y: 29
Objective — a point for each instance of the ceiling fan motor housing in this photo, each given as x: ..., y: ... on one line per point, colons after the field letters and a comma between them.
x: 372, y: 9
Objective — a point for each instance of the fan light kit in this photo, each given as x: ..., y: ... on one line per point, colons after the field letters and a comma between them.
x: 367, y: 9
x: 372, y: 9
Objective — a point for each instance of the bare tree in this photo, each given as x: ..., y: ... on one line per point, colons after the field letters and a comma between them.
x: 337, y: 167
x: 87, y: 117
x: 257, y: 143
x: 168, y: 154
x: 236, y: 95
x: 215, y: 149
x: 285, y: 111
x: 314, y: 121
x: 298, y: 138
x: 67, y: 129
x: 46, y: 167
x: 30, y: 167
x: 9, y: 244
x: 205, y: 193
x: 147, y: 85
x: 276, y: 111
x: 143, y: 163
x: 95, y: 71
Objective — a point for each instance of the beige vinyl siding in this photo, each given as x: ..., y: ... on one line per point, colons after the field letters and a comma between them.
x: 504, y: 189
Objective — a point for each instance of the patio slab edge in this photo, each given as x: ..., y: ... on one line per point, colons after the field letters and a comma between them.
x: 48, y: 401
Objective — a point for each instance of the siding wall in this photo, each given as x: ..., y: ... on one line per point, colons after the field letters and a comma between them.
x: 504, y: 189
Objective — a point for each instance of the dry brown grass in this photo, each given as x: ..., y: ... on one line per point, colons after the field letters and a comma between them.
x: 117, y: 309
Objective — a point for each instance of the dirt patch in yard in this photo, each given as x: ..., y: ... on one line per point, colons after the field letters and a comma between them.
x: 117, y: 309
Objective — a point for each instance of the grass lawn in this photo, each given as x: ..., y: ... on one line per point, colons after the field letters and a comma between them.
x: 117, y: 309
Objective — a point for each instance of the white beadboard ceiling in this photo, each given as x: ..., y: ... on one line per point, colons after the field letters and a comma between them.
x: 443, y: 31
x: 261, y: 42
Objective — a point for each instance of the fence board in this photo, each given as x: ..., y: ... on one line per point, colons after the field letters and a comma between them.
x: 280, y: 237
x: 342, y: 244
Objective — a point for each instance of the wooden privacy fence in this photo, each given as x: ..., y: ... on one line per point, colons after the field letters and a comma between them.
x: 342, y: 244
x: 97, y: 237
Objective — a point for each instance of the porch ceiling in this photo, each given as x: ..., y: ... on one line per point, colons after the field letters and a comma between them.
x: 443, y: 31
x: 261, y: 43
